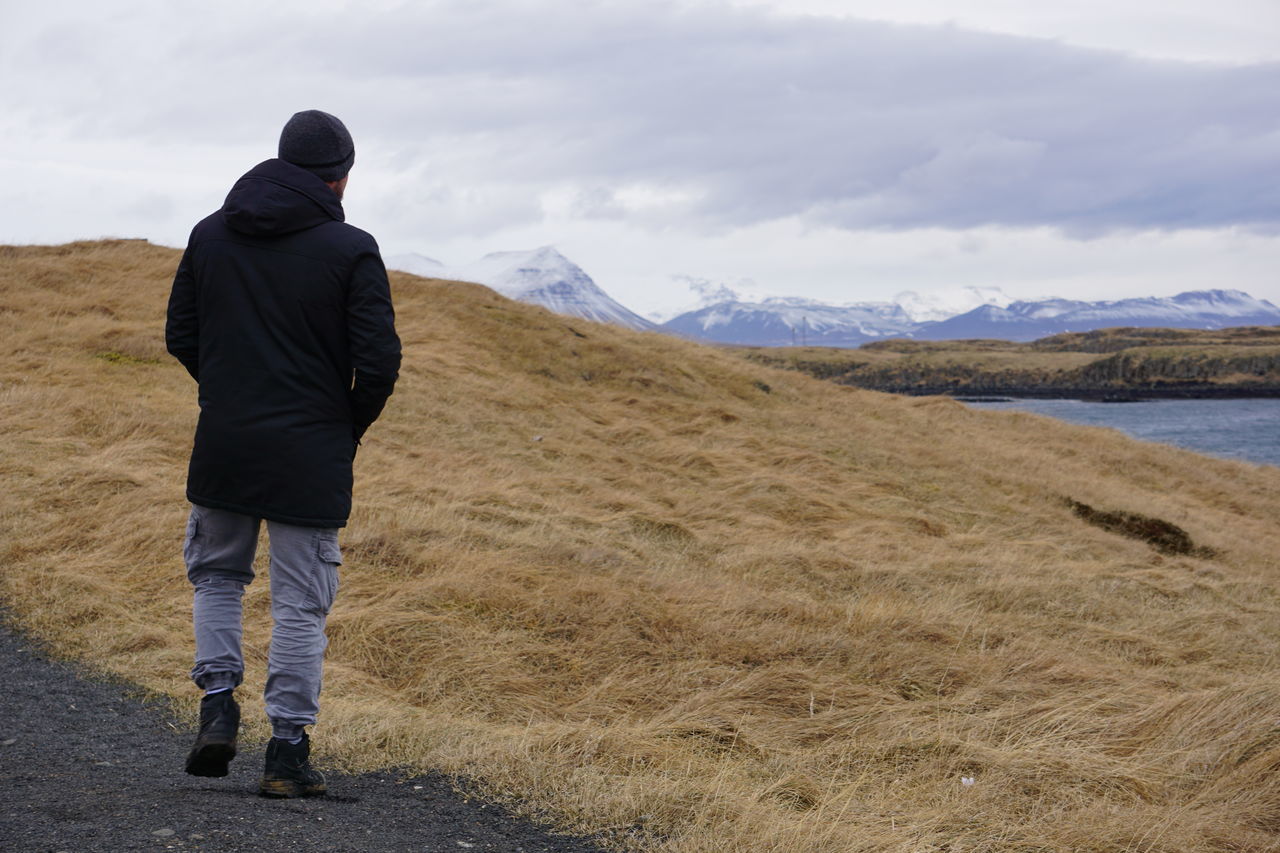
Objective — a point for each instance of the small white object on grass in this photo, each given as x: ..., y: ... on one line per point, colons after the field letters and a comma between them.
x: 968, y: 780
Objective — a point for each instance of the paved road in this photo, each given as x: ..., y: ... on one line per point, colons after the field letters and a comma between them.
x: 87, y: 766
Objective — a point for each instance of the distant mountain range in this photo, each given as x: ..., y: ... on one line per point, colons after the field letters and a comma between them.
x: 786, y: 322
x: 545, y: 277
x: 1027, y: 321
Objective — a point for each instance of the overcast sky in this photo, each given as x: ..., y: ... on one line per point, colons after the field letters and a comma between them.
x: 846, y: 150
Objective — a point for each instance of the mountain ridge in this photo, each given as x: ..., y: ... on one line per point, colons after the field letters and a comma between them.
x: 768, y: 324
x: 1027, y: 321
x: 544, y: 276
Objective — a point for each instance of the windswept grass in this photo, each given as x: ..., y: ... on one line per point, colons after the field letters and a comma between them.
x: 613, y: 575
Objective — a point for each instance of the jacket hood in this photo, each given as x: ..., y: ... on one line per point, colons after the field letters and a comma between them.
x: 276, y: 197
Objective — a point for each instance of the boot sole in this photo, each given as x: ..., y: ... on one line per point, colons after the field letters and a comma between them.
x: 211, y: 759
x: 286, y: 789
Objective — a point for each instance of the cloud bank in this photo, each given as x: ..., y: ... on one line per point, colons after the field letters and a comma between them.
x: 485, y: 114
x: 791, y: 140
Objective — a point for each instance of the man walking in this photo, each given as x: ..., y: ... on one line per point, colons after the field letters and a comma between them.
x: 282, y: 314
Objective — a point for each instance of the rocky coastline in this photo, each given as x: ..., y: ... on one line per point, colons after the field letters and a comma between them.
x: 1110, y: 364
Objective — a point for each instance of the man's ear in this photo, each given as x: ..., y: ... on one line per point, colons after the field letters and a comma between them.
x: 339, y: 187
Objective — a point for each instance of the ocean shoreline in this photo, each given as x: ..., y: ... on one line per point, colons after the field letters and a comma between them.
x: 1241, y: 429
x: 1092, y: 395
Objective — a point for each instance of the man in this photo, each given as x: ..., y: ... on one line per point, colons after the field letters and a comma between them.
x: 282, y: 314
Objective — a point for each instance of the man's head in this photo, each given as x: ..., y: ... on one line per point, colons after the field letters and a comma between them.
x: 319, y: 143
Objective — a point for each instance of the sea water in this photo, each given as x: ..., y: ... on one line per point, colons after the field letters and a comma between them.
x: 1235, y: 429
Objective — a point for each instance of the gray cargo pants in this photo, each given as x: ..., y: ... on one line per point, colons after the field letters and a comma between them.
x: 219, y: 552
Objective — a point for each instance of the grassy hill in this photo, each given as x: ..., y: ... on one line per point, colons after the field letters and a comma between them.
x: 1121, y: 362
x: 702, y: 604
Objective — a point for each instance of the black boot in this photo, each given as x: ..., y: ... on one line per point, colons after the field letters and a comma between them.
x: 288, y: 771
x: 216, y: 742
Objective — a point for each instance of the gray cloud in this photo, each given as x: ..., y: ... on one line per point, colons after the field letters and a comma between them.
x: 740, y: 117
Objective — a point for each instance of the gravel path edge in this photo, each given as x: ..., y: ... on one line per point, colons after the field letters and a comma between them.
x: 88, y: 765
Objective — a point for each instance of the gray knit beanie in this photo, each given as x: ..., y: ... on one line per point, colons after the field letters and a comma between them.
x: 319, y: 143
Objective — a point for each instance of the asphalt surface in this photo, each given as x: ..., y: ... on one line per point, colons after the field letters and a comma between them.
x: 86, y: 765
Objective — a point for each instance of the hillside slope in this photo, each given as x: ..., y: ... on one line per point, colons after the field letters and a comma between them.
x: 700, y: 603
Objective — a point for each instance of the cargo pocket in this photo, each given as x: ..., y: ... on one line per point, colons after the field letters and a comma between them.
x: 191, y: 543
x: 329, y: 558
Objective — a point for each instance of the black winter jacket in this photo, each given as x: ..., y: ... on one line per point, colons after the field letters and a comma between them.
x: 282, y: 313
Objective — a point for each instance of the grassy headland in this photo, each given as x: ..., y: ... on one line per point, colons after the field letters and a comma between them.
x: 658, y: 590
x: 1108, y: 363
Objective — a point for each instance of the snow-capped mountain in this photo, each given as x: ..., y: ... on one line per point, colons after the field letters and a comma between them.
x: 789, y: 321
x: 540, y: 276
x: 1027, y: 321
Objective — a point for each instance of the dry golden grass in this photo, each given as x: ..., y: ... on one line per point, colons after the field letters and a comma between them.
x: 611, y: 574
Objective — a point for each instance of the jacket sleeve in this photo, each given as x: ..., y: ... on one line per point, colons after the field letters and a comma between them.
x: 182, y: 327
x: 371, y: 335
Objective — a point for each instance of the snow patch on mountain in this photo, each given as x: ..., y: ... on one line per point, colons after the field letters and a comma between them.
x: 1223, y: 303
